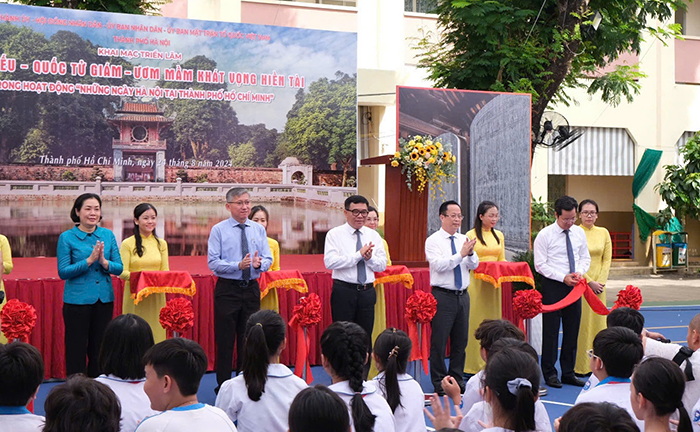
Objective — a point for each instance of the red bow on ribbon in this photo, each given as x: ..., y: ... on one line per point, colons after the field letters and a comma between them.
x: 420, y: 309
x: 177, y: 315
x: 306, y: 314
x: 18, y: 320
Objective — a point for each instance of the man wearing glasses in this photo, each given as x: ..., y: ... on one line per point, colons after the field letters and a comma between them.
x: 238, y: 252
x: 562, y: 258
x: 354, y: 252
x: 451, y: 256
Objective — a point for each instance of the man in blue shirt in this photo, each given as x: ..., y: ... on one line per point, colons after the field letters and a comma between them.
x: 238, y: 253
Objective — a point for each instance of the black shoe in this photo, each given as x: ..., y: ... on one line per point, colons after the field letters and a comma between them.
x: 553, y: 382
x: 572, y: 380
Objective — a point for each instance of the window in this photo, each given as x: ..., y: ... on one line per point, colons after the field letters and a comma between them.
x: 348, y: 3
x: 420, y: 6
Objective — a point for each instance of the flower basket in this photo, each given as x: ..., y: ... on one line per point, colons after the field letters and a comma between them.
x: 428, y: 160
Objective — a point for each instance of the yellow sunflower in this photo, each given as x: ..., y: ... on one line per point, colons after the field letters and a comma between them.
x: 414, y: 156
x: 421, y: 151
x: 394, y: 163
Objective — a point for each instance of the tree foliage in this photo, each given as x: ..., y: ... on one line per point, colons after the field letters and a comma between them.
x: 680, y: 189
x: 321, y: 126
x: 242, y: 155
x: 543, y: 47
x: 139, y: 7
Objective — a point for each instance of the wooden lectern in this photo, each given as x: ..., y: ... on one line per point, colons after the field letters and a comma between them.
x: 405, y: 217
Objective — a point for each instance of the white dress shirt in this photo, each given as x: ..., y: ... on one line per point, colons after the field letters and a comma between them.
x: 472, y: 392
x: 668, y: 351
x: 481, y: 411
x: 135, y: 403
x: 614, y: 390
x: 385, y: 421
x: 340, y: 253
x: 190, y: 418
x: 271, y: 412
x: 438, y: 252
x: 551, y: 259
x: 409, y: 414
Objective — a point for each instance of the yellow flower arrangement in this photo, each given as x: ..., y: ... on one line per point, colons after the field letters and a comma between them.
x: 426, y: 159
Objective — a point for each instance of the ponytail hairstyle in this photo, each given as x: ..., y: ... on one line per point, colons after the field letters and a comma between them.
x: 513, y: 377
x: 484, y: 206
x: 138, y: 211
x: 392, y: 349
x: 264, y: 334
x: 345, y: 346
x: 662, y: 383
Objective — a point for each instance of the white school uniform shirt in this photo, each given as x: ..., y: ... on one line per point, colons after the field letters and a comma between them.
x: 376, y: 403
x: 19, y: 419
x: 482, y: 411
x: 695, y: 417
x: 190, y: 418
x: 271, y: 412
x: 442, y: 262
x: 668, y: 351
x: 472, y: 392
x: 591, y: 383
x: 551, y: 259
x: 409, y: 414
x: 340, y: 253
x: 614, y: 390
x: 135, y: 403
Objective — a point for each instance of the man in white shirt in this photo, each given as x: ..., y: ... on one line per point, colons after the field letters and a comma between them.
x: 616, y: 352
x: 562, y: 258
x: 450, y: 256
x: 21, y: 373
x: 354, y: 252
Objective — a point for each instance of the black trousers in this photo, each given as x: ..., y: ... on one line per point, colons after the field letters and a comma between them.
x: 85, y: 326
x: 355, y: 303
x: 234, y: 302
x: 451, y: 320
x: 570, y: 318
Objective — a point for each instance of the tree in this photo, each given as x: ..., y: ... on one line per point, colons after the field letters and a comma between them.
x: 242, y: 155
x: 263, y: 140
x: 322, y: 130
x: 34, y: 146
x: 140, y: 7
x: 680, y: 189
x: 200, y: 126
x: 543, y: 47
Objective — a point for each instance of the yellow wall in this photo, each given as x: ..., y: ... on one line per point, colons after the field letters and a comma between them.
x: 612, y: 193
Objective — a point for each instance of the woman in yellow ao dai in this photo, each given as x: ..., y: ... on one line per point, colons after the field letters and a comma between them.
x: 485, y: 300
x: 260, y: 215
x: 600, y: 249
x: 153, y: 257
x: 6, y: 268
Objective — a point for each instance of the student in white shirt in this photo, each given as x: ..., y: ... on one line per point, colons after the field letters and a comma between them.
x: 616, y: 351
x: 260, y: 397
x: 480, y: 413
x: 21, y: 374
x: 450, y: 256
x: 344, y: 353
x: 174, y: 369
x: 404, y: 395
x: 82, y: 404
x: 562, y: 258
x: 595, y: 417
x: 657, y: 392
x: 318, y: 409
x: 354, y: 252
x: 620, y: 317
x: 690, y: 364
x: 488, y: 332
x: 511, y: 387
x: 126, y: 340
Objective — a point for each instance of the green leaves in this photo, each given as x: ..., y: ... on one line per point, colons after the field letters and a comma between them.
x: 680, y: 189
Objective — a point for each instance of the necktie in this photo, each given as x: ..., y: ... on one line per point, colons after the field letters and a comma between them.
x: 244, y: 250
x: 570, y: 253
x: 361, y: 272
x: 457, y: 270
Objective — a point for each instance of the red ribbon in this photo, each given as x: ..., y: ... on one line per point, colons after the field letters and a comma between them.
x: 420, y: 350
x: 307, y: 313
x: 420, y: 308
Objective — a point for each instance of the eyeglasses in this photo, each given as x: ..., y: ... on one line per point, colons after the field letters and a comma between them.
x: 240, y: 203
x: 357, y: 213
x: 570, y: 220
x: 455, y: 216
x: 590, y: 354
x: 589, y: 213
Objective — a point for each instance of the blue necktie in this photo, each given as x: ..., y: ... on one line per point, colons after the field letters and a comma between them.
x: 361, y: 272
x: 457, y: 270
x: 244, y: 250
x: 570, y: 253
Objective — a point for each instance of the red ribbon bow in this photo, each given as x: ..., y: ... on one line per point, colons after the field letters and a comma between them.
x: 306, y: 314
x: 18, y: 320
x: 420, y: 309
x: 177, y: 315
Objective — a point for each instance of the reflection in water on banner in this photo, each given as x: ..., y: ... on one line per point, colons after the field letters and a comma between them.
x: 33, y: 227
